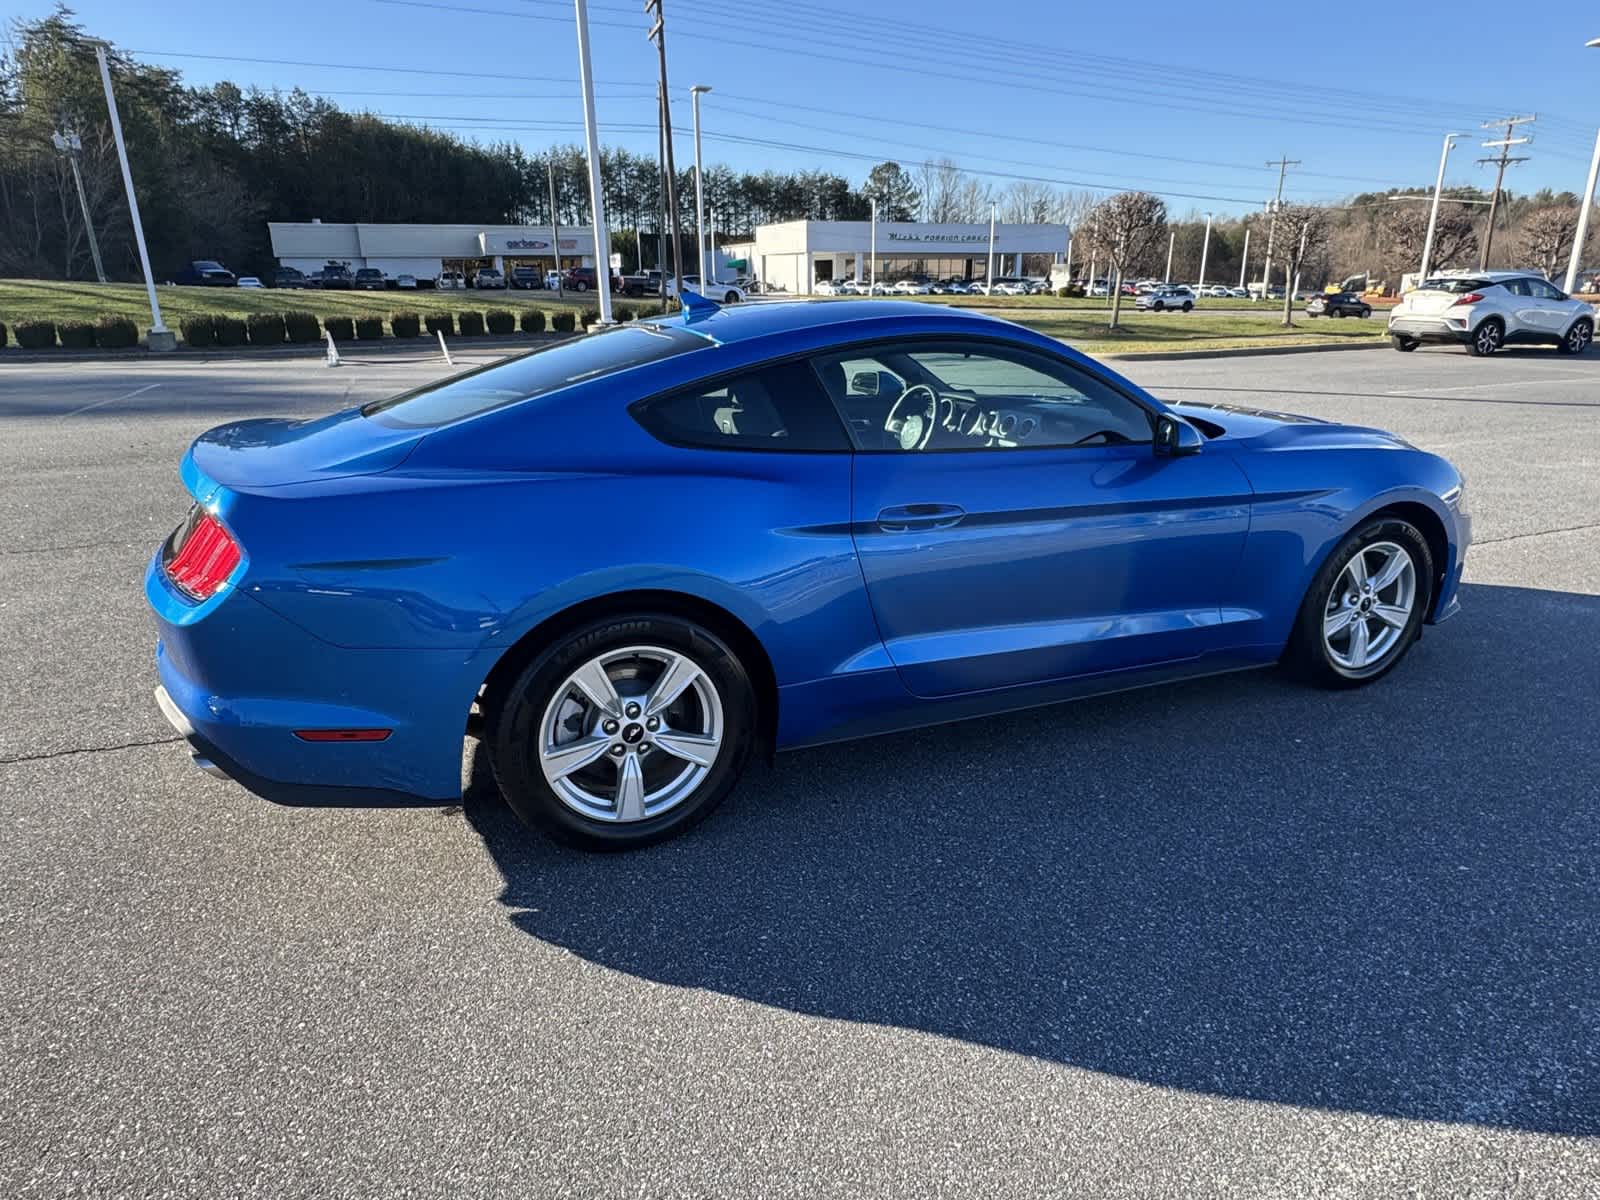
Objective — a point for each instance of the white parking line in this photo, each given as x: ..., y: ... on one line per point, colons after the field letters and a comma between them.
x: 1468, y: 387
x: 125, y: 396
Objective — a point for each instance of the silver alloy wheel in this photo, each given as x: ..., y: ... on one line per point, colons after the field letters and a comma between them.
x: 1363, y: 598
x: 1488, y: 337
x: 631, y: 734
x: 1578, y: 337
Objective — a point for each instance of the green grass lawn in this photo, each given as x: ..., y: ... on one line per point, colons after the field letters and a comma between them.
x: 1081, y: 322
x: 22, y: 299
x: 1156, y: 332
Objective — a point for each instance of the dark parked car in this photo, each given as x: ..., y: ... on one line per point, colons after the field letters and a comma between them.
x: 529, y: 278
x: 336, y: 275
x: 289, y: 277
x: 204, y: 272
x: 642, y: 283
x: 1338, y: 304
x: 583, y: 279
x: 369, y: 279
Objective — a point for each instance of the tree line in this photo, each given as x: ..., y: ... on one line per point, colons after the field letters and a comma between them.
x: 213, y: 164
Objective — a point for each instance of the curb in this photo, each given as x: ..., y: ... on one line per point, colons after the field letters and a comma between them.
x: 1241, y: 352
x: 385, y: 345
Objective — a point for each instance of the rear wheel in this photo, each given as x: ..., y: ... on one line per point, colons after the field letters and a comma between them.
x: 1578, y: 337
x: 1365, y: 607
x: 1402, y: 343
x: 626, y: 732
x: 1336, y: 312
x: 1365, y: 312
x: 1187, y: 305
x: 1157, y: 306
x: 1487, y: 338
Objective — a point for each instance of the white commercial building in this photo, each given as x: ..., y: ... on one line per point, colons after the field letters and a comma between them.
x: 425, y: 250
x: 794, y: 254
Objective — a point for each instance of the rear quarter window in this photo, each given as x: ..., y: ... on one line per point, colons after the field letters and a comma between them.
x: 536, y: 373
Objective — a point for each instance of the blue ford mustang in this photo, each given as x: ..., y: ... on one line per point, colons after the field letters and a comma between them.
x: 629, y: 560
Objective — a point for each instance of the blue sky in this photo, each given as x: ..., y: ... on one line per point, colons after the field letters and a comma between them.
x: 1185, y: 100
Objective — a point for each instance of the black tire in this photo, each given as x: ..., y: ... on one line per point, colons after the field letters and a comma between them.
x: 1307, y: 654
x: 580, y: 286
x: 1402, y: 343
x: 1577, y: 339
x: 1365, y: 312
x: 731, y: 298
x: 1336, y: 312
x: 1157, y: 306
x: 1187, y: 305
x: 513, y: 731
x: 1488, y: 337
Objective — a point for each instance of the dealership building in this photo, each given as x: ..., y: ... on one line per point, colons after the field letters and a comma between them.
x: 794, y: 254
x: 425, y: 250
x: 791, y: 255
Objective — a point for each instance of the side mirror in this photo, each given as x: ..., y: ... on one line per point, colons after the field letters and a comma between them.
x: 864, y: 383
x: 1176, y: 437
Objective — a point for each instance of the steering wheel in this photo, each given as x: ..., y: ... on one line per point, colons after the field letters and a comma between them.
x: 912, y: 430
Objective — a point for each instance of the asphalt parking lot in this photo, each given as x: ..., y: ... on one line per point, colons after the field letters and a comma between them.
x: 1235, y: 937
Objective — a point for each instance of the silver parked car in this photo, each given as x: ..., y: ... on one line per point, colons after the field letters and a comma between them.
x: 1485, y: 310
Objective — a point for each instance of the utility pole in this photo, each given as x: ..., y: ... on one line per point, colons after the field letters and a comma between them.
x: 661, y: 190
x: 658, y: 34
x: 160, y: 337
x: 1500, y: 162
x: 69, y: 144
x: 1283, y: 164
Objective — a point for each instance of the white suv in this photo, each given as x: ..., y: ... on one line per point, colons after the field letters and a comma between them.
x: 1485, y: 310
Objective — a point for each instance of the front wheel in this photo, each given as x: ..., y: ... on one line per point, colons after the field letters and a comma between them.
x: 1187, y: 305
x: 1365, y: 607
x: 580, y: 286
x: 1157, y: 306
x: 626, y: 732
x: 1487, y: 338
x: 1577, y: 339
x: 1365, y: 313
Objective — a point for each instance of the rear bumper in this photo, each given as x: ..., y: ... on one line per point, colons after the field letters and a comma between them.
x: 237, y: 681
x: 1430, y: 329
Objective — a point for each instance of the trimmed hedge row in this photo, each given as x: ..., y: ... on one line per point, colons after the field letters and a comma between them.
x: 299, y: 328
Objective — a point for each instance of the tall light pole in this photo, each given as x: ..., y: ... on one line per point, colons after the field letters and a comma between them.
x: 1244, y: 258
x: 1433, y: 213
x: 1576, y: 260
x: 69, y: 144
x: 591, y: 137
x: 988, y: 270
x: 1172, y: 241
x: 699, y: 189
x: 160, y: 337
x: 872, y: 266
x: 1205, y: 250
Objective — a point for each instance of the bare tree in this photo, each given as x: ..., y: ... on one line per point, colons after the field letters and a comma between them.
x: 1405, y: 231
x: 1545, y: 239
x: 1304, y: 233
x: 1026, y: 203
x: 1124, y: 229
x: 940, y: 183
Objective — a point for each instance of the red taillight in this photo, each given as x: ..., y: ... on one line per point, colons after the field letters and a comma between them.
x: 202, y: 556
x: 1469, y: 298
x: 343, y: 735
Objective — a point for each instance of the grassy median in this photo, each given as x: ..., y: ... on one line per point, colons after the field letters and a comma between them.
x: 1164, y: 332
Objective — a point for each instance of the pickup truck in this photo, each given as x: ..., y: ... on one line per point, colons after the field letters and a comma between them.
x: 204, y: 272
x: 642, y: 283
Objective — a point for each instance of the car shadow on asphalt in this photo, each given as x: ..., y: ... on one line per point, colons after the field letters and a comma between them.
x: 1384, y: 901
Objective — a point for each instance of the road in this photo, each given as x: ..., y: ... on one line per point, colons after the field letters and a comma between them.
x: 1235, y: 937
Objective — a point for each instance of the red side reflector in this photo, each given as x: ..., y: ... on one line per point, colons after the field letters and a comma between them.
x: 202, y: 564
x: 342, y: 735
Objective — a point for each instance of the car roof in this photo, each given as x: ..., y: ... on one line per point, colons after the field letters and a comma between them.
x: 1492, y: 276
x: 766, y: 318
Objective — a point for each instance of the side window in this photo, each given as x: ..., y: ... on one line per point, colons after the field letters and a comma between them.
x: 1540, y: 290
x: 975, y: 395
x: 1517, y: 287
x: 778, y: 408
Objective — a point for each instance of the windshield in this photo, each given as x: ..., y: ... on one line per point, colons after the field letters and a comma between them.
x: 1454, y: 285
x: 535, y: 374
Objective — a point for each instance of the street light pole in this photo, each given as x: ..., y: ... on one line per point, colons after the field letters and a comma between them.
x: 1244, y: 258
x: 1172, y: 241
x: 1205, y: 250
x: 1433, y: 213
x: 988, y: 270
x: 1576, y: 260
x: 69, y: 144
x: 699, y: 189
x: 872, y: 266
x: 160, y: 337
x: 597, y: 199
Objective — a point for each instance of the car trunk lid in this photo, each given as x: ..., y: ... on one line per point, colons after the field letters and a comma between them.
x: 276, y: 452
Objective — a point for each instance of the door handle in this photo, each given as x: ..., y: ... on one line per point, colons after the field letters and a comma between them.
x: 902, y: 518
